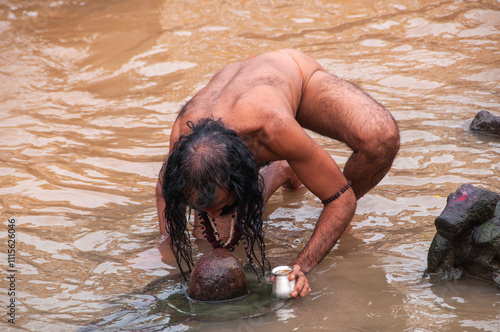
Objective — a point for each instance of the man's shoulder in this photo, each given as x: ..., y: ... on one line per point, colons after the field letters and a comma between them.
x: 277, y: 128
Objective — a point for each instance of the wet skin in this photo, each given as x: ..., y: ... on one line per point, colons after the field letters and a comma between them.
x: 264, y: 101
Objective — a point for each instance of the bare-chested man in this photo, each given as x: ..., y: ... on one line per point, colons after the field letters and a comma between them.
x: 250, y: 114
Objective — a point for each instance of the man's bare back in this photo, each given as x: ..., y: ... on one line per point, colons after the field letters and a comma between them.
x: 251, y: 97
x: 268, y: 100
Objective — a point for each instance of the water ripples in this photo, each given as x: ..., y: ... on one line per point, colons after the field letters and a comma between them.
x: 90, y: 90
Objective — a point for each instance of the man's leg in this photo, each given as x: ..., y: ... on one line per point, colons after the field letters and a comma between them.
x: 278, y: 174
x: 335, y: 108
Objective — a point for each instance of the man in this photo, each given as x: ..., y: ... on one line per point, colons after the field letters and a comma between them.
x: 250, y: 114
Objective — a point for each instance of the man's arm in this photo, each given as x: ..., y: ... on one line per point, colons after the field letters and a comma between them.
x: 331, y: 224
x: 278, y: 174
x: 160, y: 201
x: 160, y: 205
x: 320, y: 174
x: 320, y: 177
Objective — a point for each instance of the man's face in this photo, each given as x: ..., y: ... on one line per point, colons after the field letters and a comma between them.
x: 223, y: 203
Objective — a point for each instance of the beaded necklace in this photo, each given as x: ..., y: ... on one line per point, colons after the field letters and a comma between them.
x: 212, y: 234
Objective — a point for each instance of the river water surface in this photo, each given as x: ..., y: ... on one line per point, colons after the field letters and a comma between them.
x: 89, y: 90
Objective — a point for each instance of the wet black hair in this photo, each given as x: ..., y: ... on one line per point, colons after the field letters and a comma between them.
x: 210, y: 158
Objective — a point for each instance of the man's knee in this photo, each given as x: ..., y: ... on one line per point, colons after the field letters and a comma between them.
x: 391, y: 140
x: 384, y: 147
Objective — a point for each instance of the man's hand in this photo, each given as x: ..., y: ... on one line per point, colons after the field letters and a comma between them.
x: 302, y: 287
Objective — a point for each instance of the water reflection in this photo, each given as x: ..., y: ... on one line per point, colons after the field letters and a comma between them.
x: 164, y: 303
x: 89, y: 92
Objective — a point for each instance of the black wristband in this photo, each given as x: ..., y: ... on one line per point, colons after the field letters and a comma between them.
x: 337, y: 195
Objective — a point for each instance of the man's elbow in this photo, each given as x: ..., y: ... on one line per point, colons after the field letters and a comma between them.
x: 352, y: 202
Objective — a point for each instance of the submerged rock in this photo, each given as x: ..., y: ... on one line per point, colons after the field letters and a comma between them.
x: 467, y: 242
x: 486, y: 122
x: 217, y: 276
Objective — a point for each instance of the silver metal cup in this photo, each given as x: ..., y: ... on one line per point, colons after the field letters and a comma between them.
x: 282, y: 287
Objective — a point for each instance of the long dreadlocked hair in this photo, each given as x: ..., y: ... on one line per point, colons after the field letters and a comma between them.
x: 211, y: 158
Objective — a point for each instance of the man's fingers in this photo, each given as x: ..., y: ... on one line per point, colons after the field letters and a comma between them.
x: 294, y: 273
x: 299, y: 285
x: 306, y: 290
x: 302, y: 287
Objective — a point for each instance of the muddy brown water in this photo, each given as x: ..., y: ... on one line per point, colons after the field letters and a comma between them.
x: 89, y: 92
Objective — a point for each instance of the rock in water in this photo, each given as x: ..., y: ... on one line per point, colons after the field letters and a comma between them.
x: 467, y: 241
x: 217, y: 276
x: 467, y: 207
x: 486, y: 122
